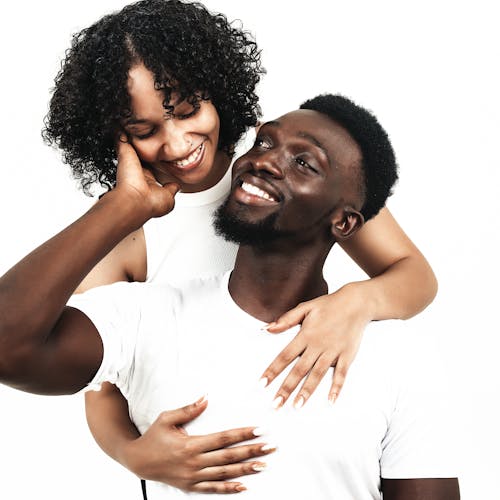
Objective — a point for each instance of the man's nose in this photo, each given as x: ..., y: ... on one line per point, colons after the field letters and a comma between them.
x: 269, y: 162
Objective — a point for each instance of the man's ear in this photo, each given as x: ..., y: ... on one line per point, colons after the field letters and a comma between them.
x: 345, y: 222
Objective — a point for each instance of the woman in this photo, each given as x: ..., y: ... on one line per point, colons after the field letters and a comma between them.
x: 180, y: 83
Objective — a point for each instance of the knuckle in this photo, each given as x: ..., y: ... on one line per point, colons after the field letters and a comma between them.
x: 286, y: 357
x: 223, y: 473
x: 192, y: 464
x: 187, y: 448
x: 163, y: 417
x: 286, y: 388
x: 300, y: 371
x: 270, y: 372
x: 210, y: 488
x: 228, y: 487
x: 230, y: 456
x: 225, y: 439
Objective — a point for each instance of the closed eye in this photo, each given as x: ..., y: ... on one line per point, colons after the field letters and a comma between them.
x: 145, y: 135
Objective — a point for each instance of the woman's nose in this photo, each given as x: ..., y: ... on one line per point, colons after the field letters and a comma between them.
x: 176, y: 141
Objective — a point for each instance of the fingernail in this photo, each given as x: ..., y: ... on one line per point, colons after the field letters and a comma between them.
x: 277, y: 402
x: 263, y: 382
x: 240, y: 487
x: 269, y: 325
x: 201, y: 400
x: 268, y: 447
x: 299, y: 403
x: 332, y: 398
x: 259, y: 431
x: 259, y: 467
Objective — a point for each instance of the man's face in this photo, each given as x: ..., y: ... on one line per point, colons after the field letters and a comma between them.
x: 301, y: 167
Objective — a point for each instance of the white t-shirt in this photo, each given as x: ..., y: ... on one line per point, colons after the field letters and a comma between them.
x: 166, y: 347
x: 182, y: 244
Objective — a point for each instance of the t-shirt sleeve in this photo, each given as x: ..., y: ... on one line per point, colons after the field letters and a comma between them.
x: 116, y: 311
x: 420, y: 440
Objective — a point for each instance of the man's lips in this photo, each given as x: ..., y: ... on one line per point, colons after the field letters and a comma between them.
x: 254, y: 190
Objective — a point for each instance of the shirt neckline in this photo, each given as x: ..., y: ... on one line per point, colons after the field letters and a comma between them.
x: 210, y: 195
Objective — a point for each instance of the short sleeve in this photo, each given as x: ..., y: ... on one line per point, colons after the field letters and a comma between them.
x: 116, y: 313
x: 419, y: 442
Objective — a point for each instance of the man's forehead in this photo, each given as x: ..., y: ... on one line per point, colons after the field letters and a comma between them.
x: 317, y: 127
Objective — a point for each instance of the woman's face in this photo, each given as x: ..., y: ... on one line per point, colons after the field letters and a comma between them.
x: 181, y: 148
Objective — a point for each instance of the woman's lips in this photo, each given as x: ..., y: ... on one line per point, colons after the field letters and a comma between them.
x: 191, y: 161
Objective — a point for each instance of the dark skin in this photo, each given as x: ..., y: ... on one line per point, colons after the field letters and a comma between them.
x: 308, y: 178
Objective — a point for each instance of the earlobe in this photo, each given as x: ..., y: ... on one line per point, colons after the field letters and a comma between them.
x: 346, y: 222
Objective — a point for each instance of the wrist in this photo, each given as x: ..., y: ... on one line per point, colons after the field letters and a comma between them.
x: 126, y: 453
x: 363, y: 298
x: 127, y: 209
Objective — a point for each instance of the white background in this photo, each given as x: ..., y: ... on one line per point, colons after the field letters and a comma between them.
x: 429, y: 70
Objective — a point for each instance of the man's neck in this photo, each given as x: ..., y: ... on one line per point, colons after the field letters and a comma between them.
x: 268, y: 282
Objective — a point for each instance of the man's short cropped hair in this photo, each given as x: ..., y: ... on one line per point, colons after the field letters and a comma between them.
x: 378, y: 164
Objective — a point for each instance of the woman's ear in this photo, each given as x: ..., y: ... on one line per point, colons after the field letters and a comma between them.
x: 345, y: 222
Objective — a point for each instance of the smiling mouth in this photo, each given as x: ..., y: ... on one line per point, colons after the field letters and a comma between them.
x: 255, y: 191
x: 190, y: 161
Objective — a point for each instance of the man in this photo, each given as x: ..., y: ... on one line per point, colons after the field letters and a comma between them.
x: 312, y: 178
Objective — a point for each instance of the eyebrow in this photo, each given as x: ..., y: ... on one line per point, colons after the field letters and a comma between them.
x: 304, y: 135
x: 314, y: 141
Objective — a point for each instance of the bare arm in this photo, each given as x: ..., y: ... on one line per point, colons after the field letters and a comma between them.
x: 45, y: 347
x: 421, y: 489
x: 125, y: 262
x: 402, y: 284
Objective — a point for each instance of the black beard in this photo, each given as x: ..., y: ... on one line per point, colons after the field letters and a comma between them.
x: 258, y: 234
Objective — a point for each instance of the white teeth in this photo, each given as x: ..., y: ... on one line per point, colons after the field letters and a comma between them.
x: 190, y: 159
x: 251, y: 189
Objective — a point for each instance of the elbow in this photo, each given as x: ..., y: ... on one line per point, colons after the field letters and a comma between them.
x: 17, y: 357
x: 431, y: 285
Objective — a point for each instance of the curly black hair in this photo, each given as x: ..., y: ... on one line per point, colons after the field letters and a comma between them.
x: 379, y: 167
x: 189, y: 50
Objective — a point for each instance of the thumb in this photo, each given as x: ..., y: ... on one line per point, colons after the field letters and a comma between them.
x: 172, y: 188
x: 128, y: 161
x: 291, y: 318
x: 183, y: 415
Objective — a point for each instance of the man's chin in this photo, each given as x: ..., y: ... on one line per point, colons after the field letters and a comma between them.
x: 243, y: 232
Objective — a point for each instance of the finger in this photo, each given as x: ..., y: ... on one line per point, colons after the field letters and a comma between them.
x: 223, y: 487
x: 181, y: 416
x: 230, y: 471
x: 291, y: 352
x: 235, y: 454
x: 172, y: 188
x: 128, y: 162
x: 223, y: 439
x: 339, y: 376
x: 297, y: 373
x: 319, y: 370
x: 291, y: 318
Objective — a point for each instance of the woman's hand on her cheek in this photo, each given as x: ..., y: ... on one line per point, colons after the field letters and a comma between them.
x: 331, y: 331
x: 203, y: 464
x: 139, y: 184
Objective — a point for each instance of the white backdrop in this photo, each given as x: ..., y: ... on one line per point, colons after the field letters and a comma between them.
x: 429, y: 70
